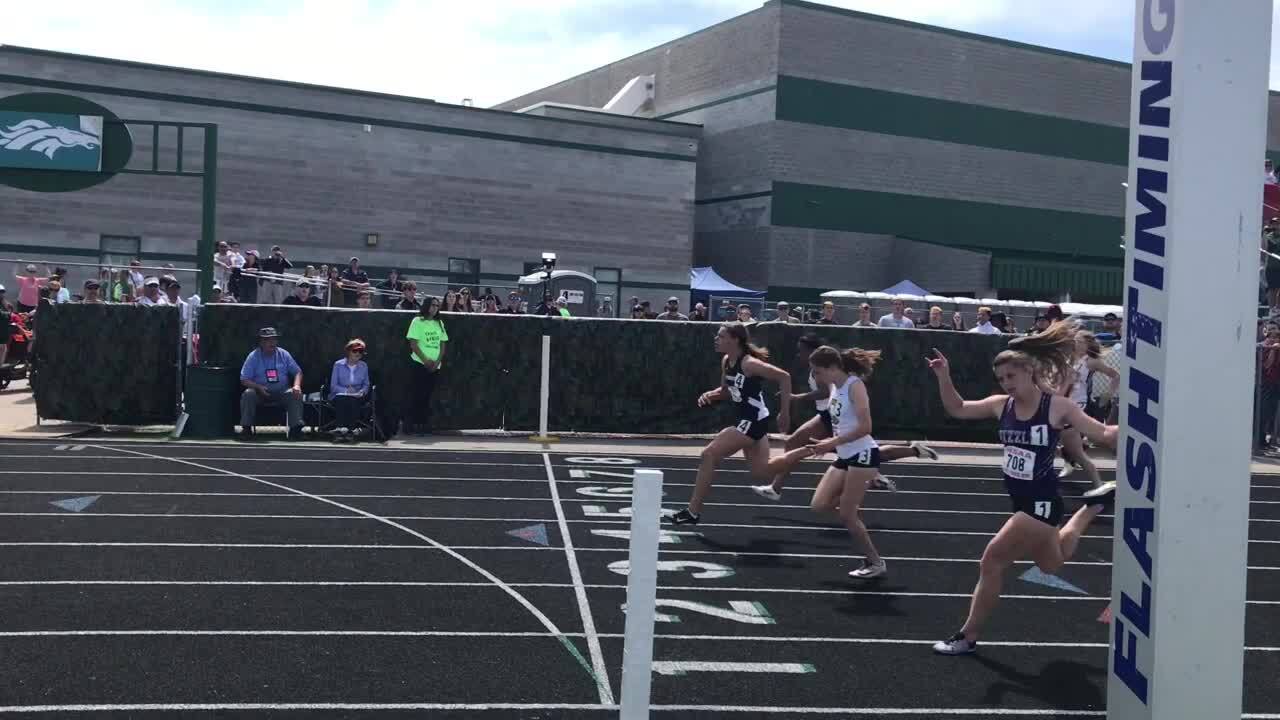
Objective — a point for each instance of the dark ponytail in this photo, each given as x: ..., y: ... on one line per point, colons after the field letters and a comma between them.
x: 738, y: 332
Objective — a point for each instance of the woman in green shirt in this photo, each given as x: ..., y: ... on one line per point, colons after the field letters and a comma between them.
x: 427, y: 342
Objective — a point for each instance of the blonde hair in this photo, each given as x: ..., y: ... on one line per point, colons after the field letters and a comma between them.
x: 1093, y: 348
x: 935, y: 309
x: 1047, y: 355
x: 984, y: 309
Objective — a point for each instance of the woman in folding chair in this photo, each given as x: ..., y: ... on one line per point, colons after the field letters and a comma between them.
x: 348, y: 390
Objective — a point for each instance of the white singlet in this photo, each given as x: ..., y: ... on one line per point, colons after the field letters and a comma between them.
x: 821, y: 403
x: 844, y: 416
x: 1080, y: 388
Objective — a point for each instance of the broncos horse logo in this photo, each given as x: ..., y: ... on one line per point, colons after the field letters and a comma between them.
x: 39, y: 136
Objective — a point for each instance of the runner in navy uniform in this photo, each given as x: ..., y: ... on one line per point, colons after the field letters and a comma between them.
x: 745, y: 371
x: 820, y: 427
x: 1031, y: 419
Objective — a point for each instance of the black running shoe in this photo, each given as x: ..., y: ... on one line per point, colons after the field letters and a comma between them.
x: 1104, y: 494
x: 685, y: 517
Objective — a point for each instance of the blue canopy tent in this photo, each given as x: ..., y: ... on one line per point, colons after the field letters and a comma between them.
x: 705, y: 282
x: 906, y: 287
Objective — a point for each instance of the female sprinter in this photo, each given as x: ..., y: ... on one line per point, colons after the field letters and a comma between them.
x: 745, y: 371
x: 1084, y: 359
x: 1031, y: 419
x: 820, y: 427
x: 857, y: 456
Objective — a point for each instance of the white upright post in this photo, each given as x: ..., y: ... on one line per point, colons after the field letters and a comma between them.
x: 642, y: 591
x: 1198, y: 125
x: 544, y: 398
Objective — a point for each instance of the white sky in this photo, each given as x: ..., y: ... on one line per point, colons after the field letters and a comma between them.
x: 486, y: 50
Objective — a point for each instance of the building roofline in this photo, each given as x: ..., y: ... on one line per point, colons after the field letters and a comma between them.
x: 97, y: 60
x: 633, y: 55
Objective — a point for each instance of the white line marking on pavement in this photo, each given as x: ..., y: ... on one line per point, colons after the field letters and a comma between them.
x: 584, y: 607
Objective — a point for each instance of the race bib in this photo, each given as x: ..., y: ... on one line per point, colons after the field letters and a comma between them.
x: 1018, y: 463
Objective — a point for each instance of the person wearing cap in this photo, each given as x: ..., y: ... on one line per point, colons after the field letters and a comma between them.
x: 302, y: 296
x: 428, y: 341
x: 136, y: 276
x: 782, y: 312
x: 744, y: 314
x: 562, y: 307
x: 173, y: 296
x: 271, y: 378
x: 272, y: 289
x: 220, y: 297
x: 348, y: 387
x: 92, y: 292
x: 673, y: 310
x: 354, y: 279
x: 699, y: 313
x: 29, y: 287
x: 1054, y: 313
x: 150, y: 292
x: 1111, y: 329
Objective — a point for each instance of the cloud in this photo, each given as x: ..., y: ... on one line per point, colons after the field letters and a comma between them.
x: 486, y: 50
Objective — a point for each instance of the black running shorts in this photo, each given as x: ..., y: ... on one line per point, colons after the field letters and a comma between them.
x: 1046, y: 510
x: 863, y: 460
x: 754, y: 429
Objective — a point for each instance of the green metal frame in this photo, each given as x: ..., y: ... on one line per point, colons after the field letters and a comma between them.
x: 208, y: 173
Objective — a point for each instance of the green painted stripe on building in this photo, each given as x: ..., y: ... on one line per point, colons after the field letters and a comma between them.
x: 734, y: 198
x: 956, y: 223
x: 721, y: 101
x: 1054, y: 277
x: 335, y: 117
x: 891, y: 113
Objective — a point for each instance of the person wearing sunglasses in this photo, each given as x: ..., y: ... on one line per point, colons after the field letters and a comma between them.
x: 348, y: 387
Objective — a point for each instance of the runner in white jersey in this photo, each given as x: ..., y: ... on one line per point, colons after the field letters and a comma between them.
x: 1084, y: 359
x: 857, y: 454
x: 819, y: 427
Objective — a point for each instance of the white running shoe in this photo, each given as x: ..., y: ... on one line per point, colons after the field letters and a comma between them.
x: 767, y: 492
x: 924, y: 451
x: 1066, y: 470
x: 880, y: 482
x: 1101, y: 495
x: 869, y: 571
x: 956, y: 645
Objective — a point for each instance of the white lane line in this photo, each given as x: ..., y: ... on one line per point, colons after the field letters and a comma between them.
x: 506, y: 635
x: 282, y: 707
x: 965, y: 596
x: 584, y: 607
x: 530, y: 548
x: 515, y: 595
x: 284, y: 633
x: 382, y: 518
x: 881, y: 712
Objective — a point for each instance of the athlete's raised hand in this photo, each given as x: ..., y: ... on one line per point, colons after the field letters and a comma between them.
x: 938, y: 363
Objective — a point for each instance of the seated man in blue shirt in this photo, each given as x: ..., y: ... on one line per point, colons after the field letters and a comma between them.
x: 270, y: 377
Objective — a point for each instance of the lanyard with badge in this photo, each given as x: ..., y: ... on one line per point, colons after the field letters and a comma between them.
x: 273, y: 374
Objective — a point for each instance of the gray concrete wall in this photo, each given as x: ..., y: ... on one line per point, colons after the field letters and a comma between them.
x: 914, y: 166
x: 834, y: 260
x: 844, y: 48
x: 724, y: 59
x: 434, y: 189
